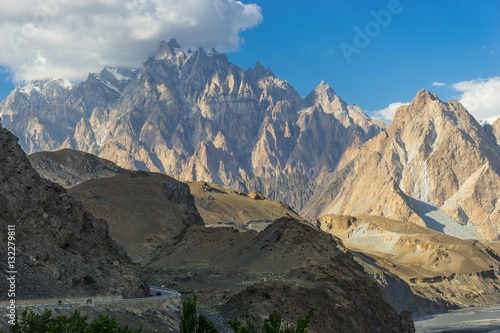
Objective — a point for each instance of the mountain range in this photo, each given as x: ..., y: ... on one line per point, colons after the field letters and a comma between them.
x: 435, y: 166
x: 196, y: 117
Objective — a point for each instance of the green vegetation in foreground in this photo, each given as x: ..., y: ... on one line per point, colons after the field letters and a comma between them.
x: 273, y: 324
x: 190, y: 323
x: 32, y: 322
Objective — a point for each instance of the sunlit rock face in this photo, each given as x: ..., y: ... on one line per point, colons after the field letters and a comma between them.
x: 434, y: 165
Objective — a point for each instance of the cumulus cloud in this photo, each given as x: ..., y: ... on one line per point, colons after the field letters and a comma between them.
x: 387, y: 114
x: 438, y: 84
x: 70, y: 38
x: 481, y: 97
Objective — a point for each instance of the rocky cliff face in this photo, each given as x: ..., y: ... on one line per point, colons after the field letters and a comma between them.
x: 195, y: 117
x: 433, y: 166
x: 61, y: 249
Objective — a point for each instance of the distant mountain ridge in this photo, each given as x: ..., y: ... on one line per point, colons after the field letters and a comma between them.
x: 195, y: 117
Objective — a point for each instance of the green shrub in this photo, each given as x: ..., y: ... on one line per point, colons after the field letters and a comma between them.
x: 32, y: 322
x: 193, y: 323
x: 273, y: 324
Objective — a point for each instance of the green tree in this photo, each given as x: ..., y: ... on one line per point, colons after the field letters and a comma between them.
x: 205, y: 325
x: 106, y: 324
x: 188, y: 319
x: 239, y: 327
x: 273, y: 324
x: 303, y: 324
x: 191, y: 323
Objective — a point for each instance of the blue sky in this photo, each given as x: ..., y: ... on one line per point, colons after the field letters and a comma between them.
x: 429, y: 41
x: 453, y: 43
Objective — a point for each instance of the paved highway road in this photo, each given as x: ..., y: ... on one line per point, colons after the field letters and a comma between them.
x: 154, y: 291
x: 164, y: 292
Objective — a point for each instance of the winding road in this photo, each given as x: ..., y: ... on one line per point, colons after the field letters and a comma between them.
x: 165, y: 294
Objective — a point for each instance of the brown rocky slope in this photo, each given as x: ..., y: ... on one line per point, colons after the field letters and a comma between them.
x: 69, y: 167
x: 289, y: 266
x: 134, y: 203
x: 217, y: 205
x: 61, y: 249
x: 145, y: 211
x: 449, y: 272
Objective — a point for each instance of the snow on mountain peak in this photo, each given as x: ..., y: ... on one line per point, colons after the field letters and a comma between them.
x: 120, y: 73
x: 28, y: 89
x: 46, y: 87
x: 63, y: 83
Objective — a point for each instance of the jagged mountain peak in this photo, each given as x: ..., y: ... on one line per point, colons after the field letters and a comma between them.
x: 173, y: 44
x: 427, y: 107
x: 425, y: 95
x: 423, y: 98
x: 170, y: 51
x: 324, y: 95
x: 259, y: 71
x: 117, y: 73
x: 324, y: 87
x: 258, y: 66
x: 64, y: 83
x: 213, y: 56
x: 110, y: 79
x: 47, y: 87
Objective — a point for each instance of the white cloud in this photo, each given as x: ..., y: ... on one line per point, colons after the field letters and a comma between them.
x: 387, y: 114
x: 438, y: 84
x: 70, y: 38
x: 481, y: 97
